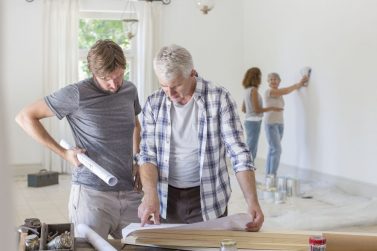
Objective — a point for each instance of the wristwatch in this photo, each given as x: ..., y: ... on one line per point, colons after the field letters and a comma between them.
x: 136, y: 158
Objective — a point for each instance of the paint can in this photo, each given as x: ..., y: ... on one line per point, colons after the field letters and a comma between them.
x: 269, y: 195
x: 281, y: 184
x: 280, y: 197
x: 260, y: 193
x: 293, y: 187
x: 317, y: 243
x: 270, y: 181
x: 228, y: 245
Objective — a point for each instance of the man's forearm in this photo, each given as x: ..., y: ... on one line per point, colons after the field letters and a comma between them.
x: 149, y: 176
x: 136, y: 136
x: 246, y: 179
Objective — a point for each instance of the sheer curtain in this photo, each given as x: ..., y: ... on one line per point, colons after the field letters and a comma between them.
x: 60, y: 64
x: 148, y: 45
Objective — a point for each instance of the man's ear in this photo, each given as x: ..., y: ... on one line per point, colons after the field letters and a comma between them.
x: 194, y: 73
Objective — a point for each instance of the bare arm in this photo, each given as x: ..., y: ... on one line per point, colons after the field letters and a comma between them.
x: 243, y: 108
x: 151, y: 203
x: 136, y: 136
x: 258, y: 108
x: 289, y: 89
x: 246, y: 180
x: 136, y: 149
x: 29, y: 120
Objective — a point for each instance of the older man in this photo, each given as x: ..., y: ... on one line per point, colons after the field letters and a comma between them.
x: 187, y: 128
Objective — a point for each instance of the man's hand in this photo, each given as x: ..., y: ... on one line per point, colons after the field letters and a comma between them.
x: 257, y: 218
x: 136, y: 178
x: 150, y: 206
x: 71, y: 156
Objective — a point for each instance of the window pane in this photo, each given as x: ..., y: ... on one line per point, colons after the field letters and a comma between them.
x: 92, y: 30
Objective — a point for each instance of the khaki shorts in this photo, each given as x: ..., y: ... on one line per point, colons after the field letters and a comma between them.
x: 105, y: 212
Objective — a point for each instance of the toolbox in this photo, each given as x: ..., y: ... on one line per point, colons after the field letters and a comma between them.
x: 57, y: 229
x: 42, y: 178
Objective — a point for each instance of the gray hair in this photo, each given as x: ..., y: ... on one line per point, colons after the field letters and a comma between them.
x: 273, y: 75
x: 172, y: 61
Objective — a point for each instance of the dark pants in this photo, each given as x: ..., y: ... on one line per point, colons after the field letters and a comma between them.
x: 184, y: 205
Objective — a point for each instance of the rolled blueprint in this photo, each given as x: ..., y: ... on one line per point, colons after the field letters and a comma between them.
x: 104, y: 175
x: 95, y: 239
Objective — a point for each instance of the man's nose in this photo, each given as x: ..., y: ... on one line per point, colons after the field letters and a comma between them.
x: 171, y: 90
x: 111, y: 83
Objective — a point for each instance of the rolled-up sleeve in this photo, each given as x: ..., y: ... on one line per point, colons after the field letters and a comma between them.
x: 233, y: 137
x: 148, y: 153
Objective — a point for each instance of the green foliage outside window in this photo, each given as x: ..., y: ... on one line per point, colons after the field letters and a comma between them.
x: 91, y: 30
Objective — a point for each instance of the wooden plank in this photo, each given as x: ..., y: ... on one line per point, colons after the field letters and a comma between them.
x: 210, y: 244
x: 350, y: 242
x: 212, y: 238
x: 336, y: 241
x: 264, y: 239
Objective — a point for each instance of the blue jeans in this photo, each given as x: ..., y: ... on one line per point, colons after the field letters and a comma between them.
x: 274, y: 133
x: 252, y: 136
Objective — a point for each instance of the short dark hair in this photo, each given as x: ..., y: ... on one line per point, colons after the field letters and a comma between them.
x: 104, y: 57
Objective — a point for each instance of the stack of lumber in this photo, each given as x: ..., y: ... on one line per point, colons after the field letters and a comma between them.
x: 295, y: 241
x: 212, y: 239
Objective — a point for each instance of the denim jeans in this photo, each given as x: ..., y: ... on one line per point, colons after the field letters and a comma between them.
x: 274, y: 134
x: 252, y: 136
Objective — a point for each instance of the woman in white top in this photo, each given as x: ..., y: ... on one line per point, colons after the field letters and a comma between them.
x: 274, y: 122
x: 253, y: 107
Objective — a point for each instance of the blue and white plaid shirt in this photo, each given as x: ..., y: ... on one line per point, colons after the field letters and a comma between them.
x: 219, y: 130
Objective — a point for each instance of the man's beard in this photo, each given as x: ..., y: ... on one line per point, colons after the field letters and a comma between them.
x: 104, y: 90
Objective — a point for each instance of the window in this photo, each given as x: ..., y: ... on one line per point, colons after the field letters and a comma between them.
x: 104, y: 25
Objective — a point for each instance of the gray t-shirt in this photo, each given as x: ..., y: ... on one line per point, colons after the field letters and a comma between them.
x: 103, y: 124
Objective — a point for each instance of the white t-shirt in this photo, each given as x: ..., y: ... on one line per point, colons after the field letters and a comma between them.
x: 184, y: 168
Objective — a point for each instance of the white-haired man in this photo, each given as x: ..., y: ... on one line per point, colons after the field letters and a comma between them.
x: 187, y: 128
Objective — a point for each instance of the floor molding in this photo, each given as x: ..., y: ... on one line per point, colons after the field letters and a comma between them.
x: 348, y: 185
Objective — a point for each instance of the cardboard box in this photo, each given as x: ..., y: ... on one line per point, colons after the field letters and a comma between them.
x: 53, y: 228
x: 42, y: 178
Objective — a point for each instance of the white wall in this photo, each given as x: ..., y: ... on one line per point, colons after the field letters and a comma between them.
x: 330, y: 126
x: 215, y: 40
x: 7, y: 236
x: 22, y: 73
x: 23, y: 51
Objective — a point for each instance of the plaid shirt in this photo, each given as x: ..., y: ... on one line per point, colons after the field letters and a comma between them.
x: 219, y: 130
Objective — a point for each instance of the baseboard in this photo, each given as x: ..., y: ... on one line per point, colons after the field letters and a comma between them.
x: 348, y: 185
x: 24, y: 169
